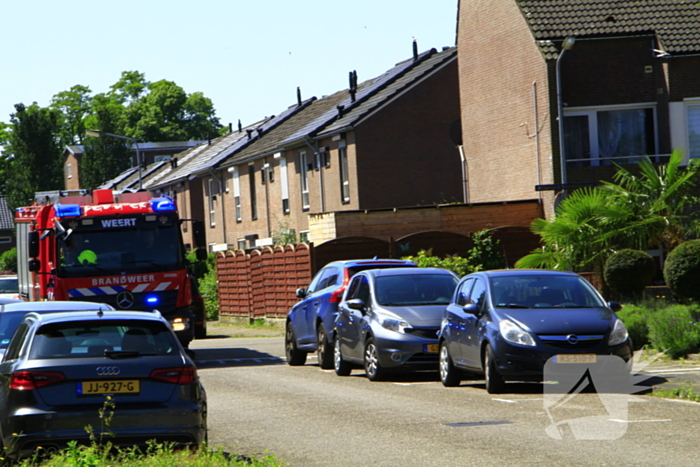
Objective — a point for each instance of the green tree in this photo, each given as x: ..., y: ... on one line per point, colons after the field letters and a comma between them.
x: 129, y: 88
x: 5, y: 152
x: 36, y: 160
x: 164, y: 112
x: 104, y: 158
x: 74, y: 106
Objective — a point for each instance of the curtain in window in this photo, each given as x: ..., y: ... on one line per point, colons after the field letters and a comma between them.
x: 622, y: 133
x: 694, y: 131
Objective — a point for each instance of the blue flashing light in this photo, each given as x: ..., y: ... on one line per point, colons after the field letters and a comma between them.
x: 162, y: 204
x: 67, y: 210
x: 152, y: 299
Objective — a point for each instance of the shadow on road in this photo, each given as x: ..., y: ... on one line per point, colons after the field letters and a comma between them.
x: 233, y: 357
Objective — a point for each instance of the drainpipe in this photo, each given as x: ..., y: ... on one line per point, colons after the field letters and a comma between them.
x: 537, y: 139
x: 221, y: 195
x: 317, y: 158
x: 463, y: 158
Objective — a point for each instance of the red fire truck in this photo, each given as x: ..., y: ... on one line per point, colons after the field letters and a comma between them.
x: 126, y: 252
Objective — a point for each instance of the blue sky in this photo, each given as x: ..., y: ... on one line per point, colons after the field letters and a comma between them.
x: 248, y: 57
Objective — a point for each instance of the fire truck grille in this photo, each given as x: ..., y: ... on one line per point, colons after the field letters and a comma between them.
x: 163, y: 301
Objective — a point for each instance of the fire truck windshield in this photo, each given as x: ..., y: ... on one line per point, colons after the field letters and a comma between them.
x: 123, y: 251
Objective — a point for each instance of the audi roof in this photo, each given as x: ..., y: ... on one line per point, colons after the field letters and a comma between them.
x: 55, y: 306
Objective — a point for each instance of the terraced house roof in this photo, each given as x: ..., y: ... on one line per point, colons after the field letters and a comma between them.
x: 675, y: 23
x: 7, y: 220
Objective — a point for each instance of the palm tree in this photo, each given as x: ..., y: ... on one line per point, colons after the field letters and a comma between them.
x: 642, y: 211
x: 661, y: 200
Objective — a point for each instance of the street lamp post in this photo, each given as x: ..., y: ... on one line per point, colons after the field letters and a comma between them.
x: 100, y: 134
x: 566, y: 45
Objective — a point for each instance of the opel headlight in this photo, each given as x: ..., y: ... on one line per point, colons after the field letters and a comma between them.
x: 619, y: 333
x: 395, y: 325
x: 514, y: 333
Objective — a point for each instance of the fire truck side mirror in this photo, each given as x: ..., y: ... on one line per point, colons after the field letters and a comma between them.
x: 34, y: 265
x: 33, y: 243
x: 200, y: 238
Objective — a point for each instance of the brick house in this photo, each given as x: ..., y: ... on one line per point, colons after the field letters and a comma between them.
x: 7, y: 227
x: 381, y: 143
x: 628, y: 88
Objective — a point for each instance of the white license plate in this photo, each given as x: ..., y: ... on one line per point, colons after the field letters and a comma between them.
x: 575, y: 358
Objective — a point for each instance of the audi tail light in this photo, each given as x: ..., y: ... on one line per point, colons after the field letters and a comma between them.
x: 31, y: 380
x: 337, y: 294
x: 180, y: 375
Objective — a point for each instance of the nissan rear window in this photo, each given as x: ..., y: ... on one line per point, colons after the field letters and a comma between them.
x: 84, y: 339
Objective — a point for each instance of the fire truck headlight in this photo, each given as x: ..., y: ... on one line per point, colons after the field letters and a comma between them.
x: 179, y: 324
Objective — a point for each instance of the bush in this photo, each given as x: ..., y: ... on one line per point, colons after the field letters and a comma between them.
x: 486, y: 251
x: 627, y: 272
x: 682, y: 270
x: 8, y: 261
x: 456, y: 264
x: 209, y: 288
x: 675, y: 330
x: 636, y: 321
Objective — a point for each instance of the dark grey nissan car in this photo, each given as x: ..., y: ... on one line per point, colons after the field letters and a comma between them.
x: 60, y: 368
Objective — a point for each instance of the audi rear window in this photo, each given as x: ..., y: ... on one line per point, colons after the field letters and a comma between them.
x: 85, y: 339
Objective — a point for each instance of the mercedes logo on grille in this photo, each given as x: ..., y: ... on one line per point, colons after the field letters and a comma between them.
x: 108, y: 370
x: 125, y: 300
x: 572, y: 338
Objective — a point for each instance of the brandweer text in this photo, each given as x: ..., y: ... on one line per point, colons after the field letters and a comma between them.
x: 122, y: 280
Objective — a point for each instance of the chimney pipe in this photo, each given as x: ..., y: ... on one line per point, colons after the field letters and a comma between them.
x: 298, y: 95
x: 230, y: 127
x: 240, y: 127
x: 415, y: 49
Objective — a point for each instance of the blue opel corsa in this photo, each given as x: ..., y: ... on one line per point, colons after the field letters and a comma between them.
x: 506, y: 324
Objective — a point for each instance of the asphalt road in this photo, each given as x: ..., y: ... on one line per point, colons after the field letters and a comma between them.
x: 309, y: 417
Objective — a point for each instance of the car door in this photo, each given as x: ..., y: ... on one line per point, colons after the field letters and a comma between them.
x: 320, y: 304
x: 456, y: 320
x: 352, y: 345
x: 470, y: 339
x: 301, y: 310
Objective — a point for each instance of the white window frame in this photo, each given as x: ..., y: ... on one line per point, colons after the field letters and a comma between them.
x: 304, y: 175
x: 212, y: 202
x: 344, y: 172
x: 592, y: 114
x: 69, y: 170
x: 284, y: 184
x: 694, y: 104
x: 237, y: 194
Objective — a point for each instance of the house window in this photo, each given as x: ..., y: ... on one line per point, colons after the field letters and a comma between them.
x: 604, y: 135
x: 285, y: 185
x: 303, y: 171
x: 693, y: 119
x: 253, y: 196
x: 241, y: 243
x: 4, y: 240
x: 237, y: 195
x: 69, y: 170
x: 212, y: 201
x: 161, y: 158
x: 344, y: 176
x: 304, y: 236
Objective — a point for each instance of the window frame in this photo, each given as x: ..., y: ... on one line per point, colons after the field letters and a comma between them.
x: 591, y: 112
